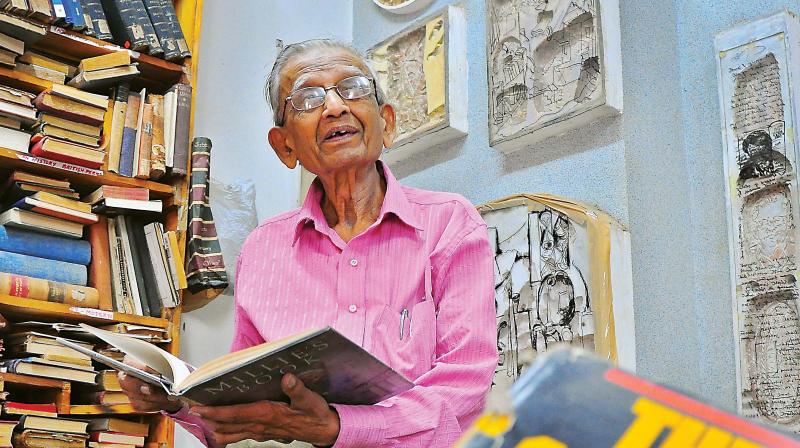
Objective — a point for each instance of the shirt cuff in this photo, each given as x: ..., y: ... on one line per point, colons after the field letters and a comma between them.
x: 193, y: 425
x: 360, y: 426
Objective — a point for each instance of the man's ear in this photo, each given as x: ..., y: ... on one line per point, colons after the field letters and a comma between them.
x: 277, y: 139
x: 389, y: 121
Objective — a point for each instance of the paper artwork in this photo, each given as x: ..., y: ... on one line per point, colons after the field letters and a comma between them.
x: 757, y: 96
x: 545, y: 263
x: 548, y: 69
x: 415, y: 70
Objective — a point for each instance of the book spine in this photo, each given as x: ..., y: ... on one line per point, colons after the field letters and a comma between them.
x: 158, y: 156
x: 149, y: 32
x: 128, y: 141
x: 88, y: 23
x: 162, y: 28
x: 42, y: 245
x: 99, y: 270
x: 145, y: 143
x: 54, y: 270
x: 163, y: 284
x: 39, y: 150
x: 177, y: 32
x: 123, y: 300
x: 98, y: 18
x: 182, y: 117
x: 49, y: 291
x: 143, y: 265
x: 127, y: 31
x: 131, y: 277
x: 118, y: 113
x: 59, y: 11
x: 41, y: 10
x: 137, y: 275
x: 41, y: 103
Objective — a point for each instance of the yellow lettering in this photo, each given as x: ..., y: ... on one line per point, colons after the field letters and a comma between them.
x: 715, y: 438
x: 742, y: 443
x: 651, y: 420
x: 685, y: 434
x: 540, y: 442
x: 493, y: 425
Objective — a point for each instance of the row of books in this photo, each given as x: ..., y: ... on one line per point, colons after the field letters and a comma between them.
x: 149, y: 26
x: 58, y: 432
x: 150, y: 132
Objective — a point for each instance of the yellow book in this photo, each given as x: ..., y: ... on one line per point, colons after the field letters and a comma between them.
x: 30, y: 57
x: 115, y: 59
x: 51, y: 198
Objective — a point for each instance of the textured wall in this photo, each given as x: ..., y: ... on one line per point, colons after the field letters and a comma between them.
x: 658, y: 169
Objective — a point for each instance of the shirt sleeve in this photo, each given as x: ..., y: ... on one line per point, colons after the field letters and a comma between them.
x: 447, y: 398
x: 244, y: 335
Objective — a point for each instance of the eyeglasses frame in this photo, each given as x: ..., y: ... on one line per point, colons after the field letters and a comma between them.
x: 326, y: 89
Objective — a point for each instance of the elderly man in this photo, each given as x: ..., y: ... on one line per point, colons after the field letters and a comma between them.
x: 405, y: 273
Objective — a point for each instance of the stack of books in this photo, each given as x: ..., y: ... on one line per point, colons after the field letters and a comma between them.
x: 124, y: 433
x: 70, y: 126
x: 35, y: 431
x: 149, y: 134
x: 16, y: 110
x: 105, y: 392
x: 7, y: 432
x: 45, y: 67
x: 38, y: 354
x: 112, y: 200
x: 103, y: 71
x: 42, y: 255
x: 10, y: 49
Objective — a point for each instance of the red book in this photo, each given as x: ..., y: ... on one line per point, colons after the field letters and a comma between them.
x: 115, y: 192
x: 62, y: 151
x: 69, y: 109
x: 116, y: 437
x: 39, y: 409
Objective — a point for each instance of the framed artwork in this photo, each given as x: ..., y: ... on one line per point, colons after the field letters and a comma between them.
x: 422, y: 70
x: 553, y: 66
x: 758, y: 92
x: 562, y: 276
x: 402, y: 6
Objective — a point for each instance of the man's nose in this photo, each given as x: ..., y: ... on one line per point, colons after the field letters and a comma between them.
x: 335, y: 105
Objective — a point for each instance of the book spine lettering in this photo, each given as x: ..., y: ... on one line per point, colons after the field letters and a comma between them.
x: 99, y: 22
x: 89, y: 29
x: 128, y: 33
x: 145, y: 143
x: 177, y: 32
x: 182, y: 117
x: 57, y: 271
x: 119, y: 111
x: 163, y: 29
x: 45, y: 246
x: 154, y: 47
x: 40, y: 289
x: 158, y: 156
x: 128, y: 142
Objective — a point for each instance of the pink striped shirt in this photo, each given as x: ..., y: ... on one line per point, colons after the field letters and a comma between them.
x: 294, y: 272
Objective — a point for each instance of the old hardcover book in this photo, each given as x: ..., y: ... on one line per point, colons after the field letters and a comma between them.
x: 48, y: 291
x: 170, y: 105
x: 48, y: 208
x: 98, y: 79
x: 89, y: 29
x: 117, y: 206
x: 100, y: 269
x: 158, y: 156
x: 64, y: 151
x: 11, y: 123
x: 110, y: 60
x: 114, y: 192
x: 108, y: 380
x: 65, y: 134
x: 40, y: 409
x: 28, y: 366
x: 37, y: 71
x: 26, y: 114
x: 8, y: 58
x: 30, y: 438
x: 37, y: 267
x: 15, y: 96
x: 21, y: 29
x: 118, y: 114
x: 40, y: 223
x: 70, y: 109
x: 59, y: 12
x: 7, y: 433
x: 53, y: 424
x: 12, y: 44
x: 154, y: 46
x: 145, y: 146
x: 327, y: 362
x: 16, y: 7
x: 131, y: 274
x: 122, y: 18
x: 90, y: 99
x: 98, y: 18
x: 70, y: 125
x: 119, y: 425
x: 40, y: 10
x: 128, y: 144
x: 177, y: 32
x: 34, y: 58
x: 183, y: 110
x: 175, y: 260
x: 163, y: 29
x: 143, y: 266
x: 116, y: 438
x: 102, y: 398
x: 30, y: 178
x: 42, y: 245
x: 14, y: 139
x: 156, y: 257
x: 75, y: 18
x: 61, y: 201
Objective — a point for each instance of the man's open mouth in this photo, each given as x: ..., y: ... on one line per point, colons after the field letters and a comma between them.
x: 340, y: 133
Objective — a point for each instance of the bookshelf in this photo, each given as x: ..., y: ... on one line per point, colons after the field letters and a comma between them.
x: 156, y: 75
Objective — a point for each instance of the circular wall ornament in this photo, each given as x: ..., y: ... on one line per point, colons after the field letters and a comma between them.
x: 402, y: 6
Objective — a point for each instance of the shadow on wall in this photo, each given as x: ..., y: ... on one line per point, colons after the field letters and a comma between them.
x: 598, y: 134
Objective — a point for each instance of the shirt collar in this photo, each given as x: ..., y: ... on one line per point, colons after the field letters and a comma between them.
x: 395, y: 202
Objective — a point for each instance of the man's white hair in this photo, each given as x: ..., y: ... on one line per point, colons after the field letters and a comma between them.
x: 274, y: 82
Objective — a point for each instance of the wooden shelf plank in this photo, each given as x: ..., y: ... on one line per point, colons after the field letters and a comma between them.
x: 95, y: 409
x: 60, y: 388
x: 10, y: 159
x: 18, y: 309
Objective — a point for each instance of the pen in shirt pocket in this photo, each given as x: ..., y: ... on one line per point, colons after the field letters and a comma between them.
x: 403, y: 317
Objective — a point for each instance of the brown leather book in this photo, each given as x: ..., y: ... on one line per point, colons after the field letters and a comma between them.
x: 100, y: 269
x: 158, y: 155
x: 70, y: 109
x: 145, y: 143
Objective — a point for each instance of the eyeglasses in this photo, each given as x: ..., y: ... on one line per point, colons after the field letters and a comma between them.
x: 309, y: 98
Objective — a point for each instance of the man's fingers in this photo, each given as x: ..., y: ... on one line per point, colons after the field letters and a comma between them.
x: 236, y: 413
x: 301, y: 398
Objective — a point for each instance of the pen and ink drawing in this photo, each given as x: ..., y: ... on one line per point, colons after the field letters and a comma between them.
x: 541, y: 292
x: 760, y: 158
x: 544, y: 63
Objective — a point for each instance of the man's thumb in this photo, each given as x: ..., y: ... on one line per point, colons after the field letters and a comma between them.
x: 300, y: 397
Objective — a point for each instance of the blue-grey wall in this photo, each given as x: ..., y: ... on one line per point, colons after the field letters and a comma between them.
x: 657, y: 168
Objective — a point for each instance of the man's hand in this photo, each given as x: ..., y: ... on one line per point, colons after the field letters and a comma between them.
x: 146, y: 397
x: 307, y: 418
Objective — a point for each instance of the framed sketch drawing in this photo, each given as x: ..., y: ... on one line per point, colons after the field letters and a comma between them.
x: 422, y: 70
x: 758, y: 98
x: 402, y: 6
x: 562, y: 275
x: 553, y: 66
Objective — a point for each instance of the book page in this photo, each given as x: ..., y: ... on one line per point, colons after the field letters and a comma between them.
x: 159, y: 360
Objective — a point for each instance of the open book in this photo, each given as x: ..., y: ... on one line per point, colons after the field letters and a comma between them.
x: 327, y: 363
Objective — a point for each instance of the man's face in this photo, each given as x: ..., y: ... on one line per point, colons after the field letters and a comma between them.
x: 340, y: 134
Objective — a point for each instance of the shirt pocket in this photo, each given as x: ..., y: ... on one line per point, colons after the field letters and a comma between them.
x: 413, y: 354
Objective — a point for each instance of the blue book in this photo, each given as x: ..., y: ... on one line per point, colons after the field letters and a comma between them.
x: 45, y: 246
x: 69, y: 10
x: 60, y: 11
x: 79, y: 19
x: 53, y: 270
x: 126, y: 155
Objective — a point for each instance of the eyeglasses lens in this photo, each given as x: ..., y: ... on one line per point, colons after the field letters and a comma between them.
x: 349, y: 88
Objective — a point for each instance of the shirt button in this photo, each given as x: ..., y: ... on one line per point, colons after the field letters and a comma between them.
x: 352, y: 308
x: 353, y: 262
